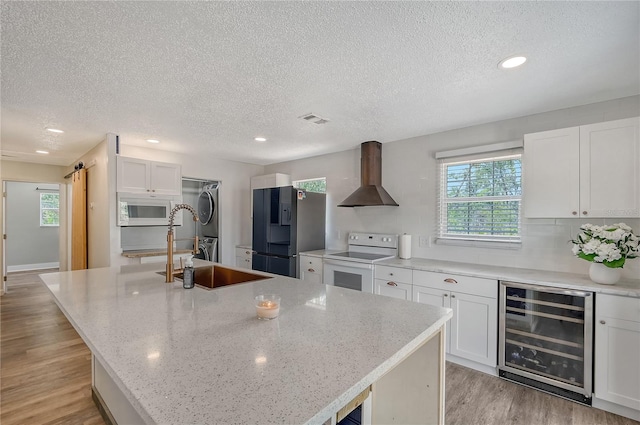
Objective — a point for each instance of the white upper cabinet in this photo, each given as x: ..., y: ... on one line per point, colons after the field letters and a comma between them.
x: 610, y: 169
x: 551, y: 157
x: 587, y: 171
x: 142, y: 176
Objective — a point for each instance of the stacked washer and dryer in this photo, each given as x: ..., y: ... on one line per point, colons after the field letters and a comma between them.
x: 207, y: 209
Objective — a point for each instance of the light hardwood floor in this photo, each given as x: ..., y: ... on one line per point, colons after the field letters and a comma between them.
x: 45, y: 369
x: 45, y: 375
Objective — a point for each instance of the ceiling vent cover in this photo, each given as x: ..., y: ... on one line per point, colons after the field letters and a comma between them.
x: 314, y: 119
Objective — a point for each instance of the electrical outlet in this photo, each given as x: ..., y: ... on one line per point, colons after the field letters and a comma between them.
x: 424, y: 241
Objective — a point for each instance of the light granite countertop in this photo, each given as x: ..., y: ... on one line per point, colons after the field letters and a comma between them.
x: 201, y: 356
x: 624, y: 287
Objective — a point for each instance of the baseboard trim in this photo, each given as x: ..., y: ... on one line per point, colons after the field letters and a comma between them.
x: 625, y: 411
x: 102, y: 407
x: 472, y: 365
x: 35, y: 266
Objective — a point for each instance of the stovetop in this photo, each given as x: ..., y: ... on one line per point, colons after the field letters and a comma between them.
x: 367, y: 248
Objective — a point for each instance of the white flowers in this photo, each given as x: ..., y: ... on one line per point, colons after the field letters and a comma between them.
x: 610, y: 244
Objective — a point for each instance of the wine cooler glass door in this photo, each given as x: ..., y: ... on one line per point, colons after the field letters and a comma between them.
x: 545, y: 335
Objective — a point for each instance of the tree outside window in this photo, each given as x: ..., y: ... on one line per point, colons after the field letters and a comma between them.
x: 312, y: 185
x: 480, y: 199
x: 49, y: 209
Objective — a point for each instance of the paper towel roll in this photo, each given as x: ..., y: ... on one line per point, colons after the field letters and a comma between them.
x: 404, y: 246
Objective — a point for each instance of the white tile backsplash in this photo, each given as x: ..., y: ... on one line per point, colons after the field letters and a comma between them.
x: 410, y: 176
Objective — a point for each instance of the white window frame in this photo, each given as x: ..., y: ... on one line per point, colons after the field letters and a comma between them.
x: 495, y: 152
x: 295, y: 183
x: 43, y: 209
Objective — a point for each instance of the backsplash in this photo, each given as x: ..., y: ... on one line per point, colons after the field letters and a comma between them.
x: 409, y: 175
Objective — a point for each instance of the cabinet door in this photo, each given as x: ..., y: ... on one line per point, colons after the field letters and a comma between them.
x: 243, y: 262
x: 474, y: 328
x: 166, y: 179
x: 392, y: 289
x: 610, y: 169
x: 617, y: 361
x: 551, y: 173
x: 438, y: 298
x: 133, y: 175
x: 431, y: 296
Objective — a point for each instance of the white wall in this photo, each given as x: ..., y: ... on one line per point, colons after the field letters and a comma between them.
x: 409, y: 175
x: 28, y: 172
x: 29, y: 245
x: 102, y: 238
x: 235, y: 177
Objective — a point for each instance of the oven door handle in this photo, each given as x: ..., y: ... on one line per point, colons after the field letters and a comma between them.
x: 351, y: 264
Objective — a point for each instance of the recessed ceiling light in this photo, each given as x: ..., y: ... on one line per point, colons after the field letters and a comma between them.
x: 42, y: 152
x: 512, y: 62
x: 260, y: 139
x: 54, y: 130
x: 153, y: 141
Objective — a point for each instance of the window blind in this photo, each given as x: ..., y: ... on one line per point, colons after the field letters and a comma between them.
x: 479, y: 197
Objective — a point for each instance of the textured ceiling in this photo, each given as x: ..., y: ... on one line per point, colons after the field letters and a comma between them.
x: 208, y: 77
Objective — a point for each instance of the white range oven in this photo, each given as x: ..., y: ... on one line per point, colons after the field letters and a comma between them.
x: 353, y: 268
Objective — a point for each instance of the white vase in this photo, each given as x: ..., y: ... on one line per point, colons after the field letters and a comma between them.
x: 600, y: 273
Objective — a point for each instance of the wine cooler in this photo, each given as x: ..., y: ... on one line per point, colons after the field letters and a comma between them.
x: 545, y: 339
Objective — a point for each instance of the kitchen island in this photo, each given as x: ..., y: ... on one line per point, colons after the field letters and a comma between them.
x: 163, y: 354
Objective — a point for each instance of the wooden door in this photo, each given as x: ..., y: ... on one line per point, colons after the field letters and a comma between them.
x: 79, y: 220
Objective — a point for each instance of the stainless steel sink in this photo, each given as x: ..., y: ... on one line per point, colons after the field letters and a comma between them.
x: 211, y: 277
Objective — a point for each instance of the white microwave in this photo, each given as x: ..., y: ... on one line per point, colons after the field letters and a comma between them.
x: 141, y: 210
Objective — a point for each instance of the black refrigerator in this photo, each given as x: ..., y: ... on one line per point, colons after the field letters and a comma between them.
x: 286, y: 221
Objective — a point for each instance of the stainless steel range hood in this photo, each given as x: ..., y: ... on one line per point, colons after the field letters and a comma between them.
x: 370, y: 192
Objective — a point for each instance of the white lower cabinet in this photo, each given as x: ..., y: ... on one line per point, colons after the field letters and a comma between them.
x: 310, y: 268
x: 243, y: 257
x: 472, y: 332
x: 617, y: 351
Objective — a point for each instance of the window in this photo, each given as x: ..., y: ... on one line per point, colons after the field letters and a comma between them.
x: 49, y: 209
x: 480, y: 198
x: 312, y: 185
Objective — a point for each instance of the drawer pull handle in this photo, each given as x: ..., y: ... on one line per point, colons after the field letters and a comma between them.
x: 449, y: 280
x: 390, y: 274
x: 392, y: 284
x: 602, y: 322
x: 247, y: 252
x: 311, y: 270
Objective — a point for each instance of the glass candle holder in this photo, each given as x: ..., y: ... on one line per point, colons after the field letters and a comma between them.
x: 267, y: 306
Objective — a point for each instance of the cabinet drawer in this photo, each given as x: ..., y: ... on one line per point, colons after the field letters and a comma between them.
x: 310, y: 264
x: 393, y: 289
x: 243, y: 252
x: 625, y: 308
x: 395, y: 274
x: 450, y: 282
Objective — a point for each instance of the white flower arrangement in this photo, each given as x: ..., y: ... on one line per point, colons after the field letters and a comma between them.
x: 610, y: 245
